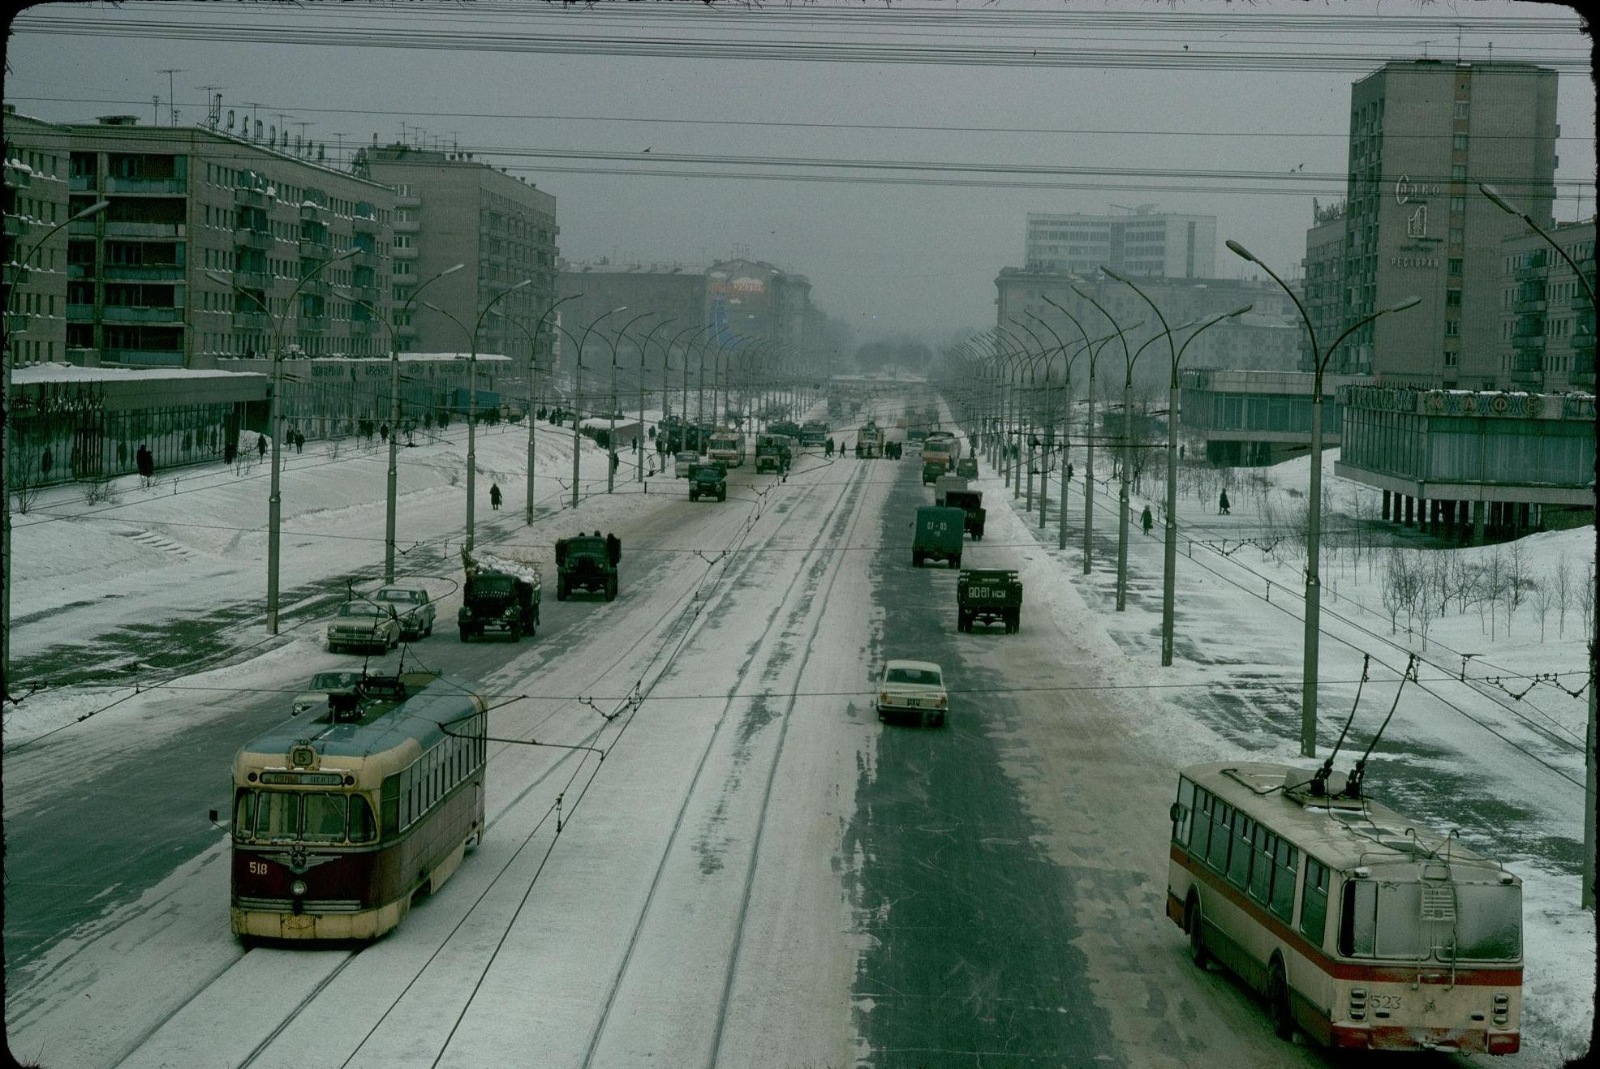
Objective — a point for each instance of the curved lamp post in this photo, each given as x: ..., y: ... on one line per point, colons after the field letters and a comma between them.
x: 1066, y: 383
x: 275, y: 498
x: 472, y: 401
x: 1090, y: 433
x: 666, y: 361
x: 533, y: 375
x: 1586, y: 896
x: 611, y: 414
x: 1313, y: 593
x: 1127, y: 442
x: 577, y: 396
x: 644, y: 348
x: 18, y: 273
x: 1170, y: 527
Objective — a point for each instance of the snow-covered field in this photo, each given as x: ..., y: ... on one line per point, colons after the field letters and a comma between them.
x: 1497, y: 706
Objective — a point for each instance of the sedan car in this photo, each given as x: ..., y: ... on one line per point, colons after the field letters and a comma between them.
x: 412, y: 605
x: 913, y: 690
x: 315, y: 696
x: 364, y: 625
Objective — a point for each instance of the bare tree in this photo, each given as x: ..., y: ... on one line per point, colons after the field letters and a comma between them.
x: 25, y: 486
x: 1398, y: 587
x: 1544, y: 596
x: 1586, y: 599
x: 1517, y: 581
x: 1490, y: 586
x: 1563, y: 585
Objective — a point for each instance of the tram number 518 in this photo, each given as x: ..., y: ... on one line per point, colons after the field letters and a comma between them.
x: 258, y: 868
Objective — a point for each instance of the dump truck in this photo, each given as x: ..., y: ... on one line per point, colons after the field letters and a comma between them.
x: 988, y: 597
x: 501, y: 594
x: 971, y: 503
x: 588, y: 562
x: 708, y: 480
x: 938, y: 535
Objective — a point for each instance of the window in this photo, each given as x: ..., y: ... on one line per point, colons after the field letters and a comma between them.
x: 1451, y: 358
x: 1239, y: 861
x: 1314, y: 907
x: 1285, y: 865
x: 1458, y: 172
x: 1456, y: 266
x: 1459, y: 143
x: 1462, y: 109
x: 1221, y: 823
x: 1182, y: 811
x: 1261, y: 865
x: 1202, y: 823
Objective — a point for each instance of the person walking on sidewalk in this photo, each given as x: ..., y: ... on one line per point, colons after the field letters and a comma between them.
x: 1222, y: 503
x: 494, y: 496
x: 1146, y: 520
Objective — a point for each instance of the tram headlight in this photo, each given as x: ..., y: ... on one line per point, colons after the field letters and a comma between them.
x: 298, y: 888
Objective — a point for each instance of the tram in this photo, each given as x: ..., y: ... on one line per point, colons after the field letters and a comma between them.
x: 343, y: 817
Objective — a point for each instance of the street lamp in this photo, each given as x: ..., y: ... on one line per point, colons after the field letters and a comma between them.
x: 18, y: 272
x: 1313, y: 594
x: 611, y: 415
x: 533, y: 374
x: 1586, y: 895
x: 275, y: 499
x: 1170, y: 527
x: 1093, y: 348
x: 1127, y: 455
x: 472, y: 400
x: 638, y: 474
x: 577, y: 396
x: 391, y: 492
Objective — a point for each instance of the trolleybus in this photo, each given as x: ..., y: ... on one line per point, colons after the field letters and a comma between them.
x: 727, y: 446
x: 342, y: 818
x: 941, y: 447
x: 1360, y: 927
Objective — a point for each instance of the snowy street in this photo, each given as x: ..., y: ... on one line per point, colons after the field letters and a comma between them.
x: 703, y: 848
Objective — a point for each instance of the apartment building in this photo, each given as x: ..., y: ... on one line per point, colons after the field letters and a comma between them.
x: 36, y: 207
x: 1143, y: 242
x: 1546, y: 341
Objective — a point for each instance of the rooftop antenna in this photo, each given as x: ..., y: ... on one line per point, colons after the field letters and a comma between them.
x: 214, y: 110
x: 172, y: 113
x: 1353, y: 787
x: 155, y: 107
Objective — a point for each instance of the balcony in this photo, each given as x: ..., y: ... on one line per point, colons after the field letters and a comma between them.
x: 143, y: 357
x: 18, y: 276
x: 164, y: 186
x: 18, y: 177
x: 246, y: 197
x: 130, y: 229
x: 143, y: 273
x: 246, y: 238
x: 251, y: 321
x: 404, y: 253
x: 1531, y: 272
x: 1582, y: 342
x: 407, y: 226
x: 313, y: 213
x: 80, y: 183
x: 120, y: 313
x: 80, y: 313
x: 314, y: 250
x: 408, y: 201
x: 1528, y: 342
x: 251, y: 280
x: 1530, y: 306
x: 365, y: 258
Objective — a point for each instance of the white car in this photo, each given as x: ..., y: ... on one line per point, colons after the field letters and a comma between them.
x: 366, y: 625
x: 913, y: 689
x: 413, y: 606
x: 315, y: 696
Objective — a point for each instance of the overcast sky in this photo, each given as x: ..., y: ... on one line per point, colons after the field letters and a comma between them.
x: 1237, y: 110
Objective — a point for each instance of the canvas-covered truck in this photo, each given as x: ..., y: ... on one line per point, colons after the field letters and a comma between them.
x: 971, y: 503
x: 588, y: 562
x: 944, y: 484
x: 938, y: 535
x: 988, y: 597
x: 932, y: 471
x: 708, y: 480
x: 500, y: 595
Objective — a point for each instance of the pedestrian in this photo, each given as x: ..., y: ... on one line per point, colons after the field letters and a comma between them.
x: 494, y: 497
x: 145, y: 461
x: 299, y: 442
x: 261, y: 446
x: 1222, y: 503
x: 1069, y: 472
x: 1146, y: 520
x: 614, y: 462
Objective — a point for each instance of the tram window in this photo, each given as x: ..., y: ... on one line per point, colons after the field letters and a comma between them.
x: 1314, y: 905
x: 391, y: 804
x: 277, y: 815
x: 243, y: 810
x: 325, y: 816
x: 362, y: 830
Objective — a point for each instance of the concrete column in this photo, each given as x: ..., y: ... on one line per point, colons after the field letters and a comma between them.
x: 1386, y: 496
x: 1410, y: 501
x: 1478, y: 509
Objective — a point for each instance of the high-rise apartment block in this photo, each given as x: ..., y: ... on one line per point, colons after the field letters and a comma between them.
x: 451, y: 209
x: 1423, y: 134
x: 1143, y: 243
x: 35, y: 202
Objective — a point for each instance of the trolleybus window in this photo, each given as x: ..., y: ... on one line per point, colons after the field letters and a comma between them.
x: 1261, y: 866
x: 1239, y: 862
x: 1314, y: 904
x: 1488, y: 922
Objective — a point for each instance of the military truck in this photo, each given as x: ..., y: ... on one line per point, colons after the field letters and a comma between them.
x: 932, y: 470
x: 710, y: 480
x: 971, y: 503
x: 588, y: 562
x: 938, y: 535
x: 988, y: 597
x: 967, y: 467
x: 500, y: 595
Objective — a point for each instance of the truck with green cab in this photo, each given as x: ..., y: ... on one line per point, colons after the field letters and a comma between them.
x: 939, y: 535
